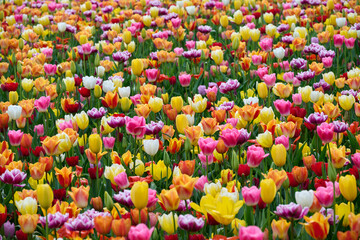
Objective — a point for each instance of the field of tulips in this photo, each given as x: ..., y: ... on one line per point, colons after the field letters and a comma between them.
x: 163, y: 119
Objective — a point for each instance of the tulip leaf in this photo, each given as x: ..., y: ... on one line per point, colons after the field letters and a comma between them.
x: 353, y: 142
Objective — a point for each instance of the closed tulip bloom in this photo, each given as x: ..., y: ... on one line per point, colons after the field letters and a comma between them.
x: 151, y: 146
x: 207, y: 145
x: 82, y: 120
x: 181, y: 123
x: 45, y: 195
x: 15, y: 137
x: 190, y: 223
x: 265, y: 139
x: 217, y: 56
x: 255, y: 155
x: 268, y: 190
x: 42, y: 104
x: 14, y: 112
x: 177, y: 103
x: 326, y: 132
x: 230, y: 137
x: 348, y: 187
x: 167, y: 222
x: 80, y: 196
x: 343, y: 210
x: 95, y: 143
x: 102, y: 224
x: 137, y: 67
x: 139, y: 194
x: 64, y: 176
x: 121, y: 180
x: 140, y: 232
x: 169, y: 199
x: 28, y: 223
x: 124, y: 92
x: 279, y: 52
x: 121, y: 227
x: 325, y: 196
x: 262, y: 90
x: 251, y: 195
x: 317, y: 226
x: 278, y: 154
x: 305, y: 198
x: 155, y: 104
x: 250, y: 232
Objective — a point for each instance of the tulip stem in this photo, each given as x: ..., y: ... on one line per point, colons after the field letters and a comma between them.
x: 139, y: 216
x: 47, y: 226
x: 251, y: 176
x: 268, y: 219
x: 207, y: 165
x: 225, y: 230
x: 292, y: 230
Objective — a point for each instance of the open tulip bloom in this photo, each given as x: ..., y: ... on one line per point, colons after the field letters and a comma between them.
x: 180, y: 119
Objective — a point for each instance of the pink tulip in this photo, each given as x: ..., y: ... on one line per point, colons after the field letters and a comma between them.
x: 152, y: 199
x: 261, y: 72
x: 338, y: 40
x: 152, y: 74
x: 283, y: 140
x: 122, y: 180
x: 207, y: 145
x: 326, y: 132
x: 251, y: 195
x: 288, y: 77
x: 15, y: 137
x: 50, y: 69
x: 200, y: 183
x: 140, y: 232
x: 269, y: 79
x: 251, y: 233
x: 349, y: 43
x: 285, y: 65
x: 39, y: 129
x: 190, y: 45
x: 329, y: 184
x: 109, y: 142
x: 135, y: 126
x: 178, y: 51
x: 266, y: 44
x: 203, y: 160
x: 42, y: 104
x: 283, y: 107
x: 176, y: 22
x: 249, y: 18
x: 184, y: 79
x: 297, y: 99
x: 325, y: 196
x: 355, y: 158
x: 87, y: 48
x: 136, y: 99
x: 256, y: 59
x: 230, y: 137
x: 255, y: 155
x: 232, y: 121
x: 296, y: 82
x: 327, y: 61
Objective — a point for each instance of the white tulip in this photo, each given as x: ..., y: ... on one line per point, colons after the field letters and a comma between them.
x: 89, y: 82
x: 191, y: 10
x: 14, y: 112
x: 61, y: 26
x: 304, y: 198
x: 279, y: 52
x: 315, y: 96
x: 27, y: 206
x: 108, y: 86
x: 340, y: 22
x: 100, y: 71
x: 151, y: 146
x: 191, y: 119
x: 124, y: 92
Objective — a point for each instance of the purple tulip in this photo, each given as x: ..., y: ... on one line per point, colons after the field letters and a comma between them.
x: 97, y: 113
x: 230, y: 85
x: 340, y: 127
x: 291, y: 211
x: 14, y: 177
x: 80, y: 223
x: 121, y: 56
x: 115, y: 122
x: 316, y: 118
x: 154, y: 128
x: 9, y: 229
x: 243, y: 137
x: 124, y: 198
x: 190, y: 223
x: 56, y: 220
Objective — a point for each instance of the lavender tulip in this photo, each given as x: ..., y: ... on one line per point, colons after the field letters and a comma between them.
x: 190, y: 223
x: 291, y: 211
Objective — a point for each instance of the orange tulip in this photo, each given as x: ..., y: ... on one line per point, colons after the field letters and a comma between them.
x: 348, y: 235
x: 51, y: 145
x: 80, y: 196
x: 354, y: 222
x: 331, y: 110
x: 317, y: 226
x: 249, y: 112
x: 28, y: 222
x: 288, y: 129
x: 92, y: 157
x: 37, y: 170
x: 169, y: 199
x: 193, y: 134
x: 300, y: 174
x: 26, y: 141
x: 121, y: 227
x: 48, y: 161
x: 102, y: 224
x: 148, y: 89
x: 64, y: 176
x: 135, y: 215
x: 110, y: 100
x: 184, y: 185
x: 174, y: 145
x: 142, y: 110
x: 277, y: 176
x: 187, y: 167
x: 167, y: 132
x: 209, y: 125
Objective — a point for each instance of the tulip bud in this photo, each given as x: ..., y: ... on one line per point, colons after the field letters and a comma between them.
x: 68, y: 73
x: 109, y: 203
x: 234, y: 161
x: 166, y: 159
x: 97, y: 91
x: 73, y: 67
x: 21, y: 43
x: 235, y: 43
x: 331, y: 172
x: 187, y: 145
x: 143, y: 33
x: 95, y: 143
x: 97, y: 60
x: 13, y: 97
x: 19, y: 67
x: 97, y: 203
x: 127, y: 36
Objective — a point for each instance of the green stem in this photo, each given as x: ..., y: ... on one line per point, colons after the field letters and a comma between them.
x: 47, y: 226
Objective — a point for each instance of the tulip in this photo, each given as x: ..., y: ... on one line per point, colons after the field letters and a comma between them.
x: 137, y: 67
x: 278, y: 154
x: 139, y: 194
x: 155, y: 104
x: 121, y: 180
x: 15, y: 137
x: 95, y: 143
x: 45, y: 195
x: 170, y: 199
x: 28, y: 222
x: 250, y: 232
x: 317, y: 226
x: 268, y: 190
x: 80, y: 196
x: 265, y: 139
x: 151, y: 146
x: 64, y: 176
x: 251, y: 195
x: 304, y: 198
x: 42, y: 104
x: 348, y: 187
x: 346, y: 102
x: 121, y: 227
x: 255, y: 155
x: 82, y: 120
x: 14, y: 112
x: 184, y: 186
x: 217, y: 56
x: 207, y: 145
x: 27, y: 206
x: 190, y: 223
x: 167, y: 222
x: 140, y: 232
x: 326, y: 132
x: 102, y: 224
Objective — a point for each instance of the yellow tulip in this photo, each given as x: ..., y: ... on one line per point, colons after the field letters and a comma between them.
x: 181, y: 123
x: 95, y: 143
x: 127, y: 36
x: 167, y: 222
x: 268, y: 190
x: 13, y: 97
x: 265, y: 139
x: 268, y: 17
x: 155, y: 104
x: 217, y: 56
x: 343, y: 210
x: 82, y: 120
x: 348, y: 187
x: 125, y: 104
x: 278, y: 154
x: 177, y: 103
x: 137, y: 66
x: 139, y: 194
x: 346, y: 102
x: 262, y: 90
x: 45, y: 195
